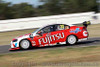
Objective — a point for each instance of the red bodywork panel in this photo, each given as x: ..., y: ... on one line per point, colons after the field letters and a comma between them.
x: 58, y: 36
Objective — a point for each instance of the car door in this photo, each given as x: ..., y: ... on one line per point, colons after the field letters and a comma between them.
x: 42, y: 35
x: 58, y: 33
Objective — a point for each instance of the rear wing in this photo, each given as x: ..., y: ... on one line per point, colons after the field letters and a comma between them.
x: 86, y: 23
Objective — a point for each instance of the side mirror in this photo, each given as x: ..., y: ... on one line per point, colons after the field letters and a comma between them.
x: 31, y: 35
x: 39, y: 33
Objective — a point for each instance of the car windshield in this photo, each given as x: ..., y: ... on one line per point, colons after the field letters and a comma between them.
x: 36, y: 30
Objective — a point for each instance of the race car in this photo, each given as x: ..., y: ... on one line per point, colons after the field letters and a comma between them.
x: 51, y: 35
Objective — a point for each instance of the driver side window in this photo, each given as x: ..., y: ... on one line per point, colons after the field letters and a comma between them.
x: 46, y: 29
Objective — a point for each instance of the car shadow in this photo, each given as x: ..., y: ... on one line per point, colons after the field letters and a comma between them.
x: 57, y: 46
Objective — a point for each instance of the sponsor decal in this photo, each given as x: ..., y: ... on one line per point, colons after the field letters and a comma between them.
x: 85, y: 33
x: 33, y: 43
x: 50, y: 38
x: 75, y: 31
x: 15, y: 44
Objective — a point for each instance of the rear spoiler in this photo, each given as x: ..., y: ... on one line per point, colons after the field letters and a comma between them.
x: 86, y: 23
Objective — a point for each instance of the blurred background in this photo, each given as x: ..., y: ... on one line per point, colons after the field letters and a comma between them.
x: 12, y: 9
x: 18, y: 17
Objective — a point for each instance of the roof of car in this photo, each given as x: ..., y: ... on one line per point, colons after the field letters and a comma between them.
x: 59, y: 24
x: 55, y: 24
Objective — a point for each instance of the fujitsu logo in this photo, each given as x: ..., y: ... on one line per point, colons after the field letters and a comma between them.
x: 49, y: 38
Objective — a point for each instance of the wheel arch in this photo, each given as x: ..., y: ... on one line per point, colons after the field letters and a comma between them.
x: 25, y: 39
x: 72, y: 34
x: 67, y: 39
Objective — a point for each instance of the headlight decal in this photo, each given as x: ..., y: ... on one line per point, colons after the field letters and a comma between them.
x: 15, y: 44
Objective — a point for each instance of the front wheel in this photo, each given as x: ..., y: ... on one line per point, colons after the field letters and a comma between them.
x: 71, y: 39
x: 24, y: 44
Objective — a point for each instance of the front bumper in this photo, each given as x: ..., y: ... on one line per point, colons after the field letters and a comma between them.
x: 14, y: 48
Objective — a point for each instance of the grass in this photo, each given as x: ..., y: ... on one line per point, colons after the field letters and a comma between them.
x: 94, y: 30
x: 68, y: 57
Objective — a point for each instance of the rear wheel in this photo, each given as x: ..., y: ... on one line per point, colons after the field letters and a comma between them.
x: 24, y: 44
x: 71, y: 39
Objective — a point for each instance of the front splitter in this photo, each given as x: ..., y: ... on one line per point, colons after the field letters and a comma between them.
x: 14, y: 48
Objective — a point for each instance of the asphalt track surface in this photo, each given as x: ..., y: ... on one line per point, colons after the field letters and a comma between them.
x: 90, y: 42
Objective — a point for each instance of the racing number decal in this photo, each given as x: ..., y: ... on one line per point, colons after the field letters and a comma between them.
x: 62, y: 26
